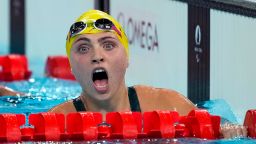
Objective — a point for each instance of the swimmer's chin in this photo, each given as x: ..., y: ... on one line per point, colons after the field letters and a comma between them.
x: 102, y: 97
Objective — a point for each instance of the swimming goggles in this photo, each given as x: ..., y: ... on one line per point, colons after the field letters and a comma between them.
x: 101, y: 24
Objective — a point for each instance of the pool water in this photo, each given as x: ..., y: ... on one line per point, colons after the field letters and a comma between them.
x: 41, y: 94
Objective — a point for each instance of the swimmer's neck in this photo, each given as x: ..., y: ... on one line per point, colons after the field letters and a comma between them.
x: 119, y: 101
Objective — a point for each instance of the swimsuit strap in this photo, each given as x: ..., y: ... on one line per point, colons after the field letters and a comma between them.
x: 133, y: 99
x: 79, y: 105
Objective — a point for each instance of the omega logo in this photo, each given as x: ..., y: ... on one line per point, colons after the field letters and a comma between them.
x: 140, y: 32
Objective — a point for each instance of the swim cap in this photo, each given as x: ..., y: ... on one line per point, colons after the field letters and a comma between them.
x: 92, y: 16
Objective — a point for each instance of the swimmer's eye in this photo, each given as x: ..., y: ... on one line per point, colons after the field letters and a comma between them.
x: 109, y: 45
x: 83, y: 49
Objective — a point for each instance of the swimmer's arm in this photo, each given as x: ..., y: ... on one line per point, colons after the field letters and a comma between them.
x: 5, y: 91
x: 227, y: 130
x: 182, y: 104
x: 163, y: 99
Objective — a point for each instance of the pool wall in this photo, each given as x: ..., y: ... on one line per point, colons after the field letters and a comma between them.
x: 232, y: 48
x: 4, y: 27
x: 47, y: 25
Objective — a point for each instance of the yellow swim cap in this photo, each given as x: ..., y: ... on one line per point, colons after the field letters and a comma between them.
x: 82, y: 26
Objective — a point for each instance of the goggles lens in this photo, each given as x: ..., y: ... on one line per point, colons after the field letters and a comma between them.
x: 102, y: 24
x: 76, y: 28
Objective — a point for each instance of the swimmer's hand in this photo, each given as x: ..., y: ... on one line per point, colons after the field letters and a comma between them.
x: 229, y: 130
x: 5, y: 91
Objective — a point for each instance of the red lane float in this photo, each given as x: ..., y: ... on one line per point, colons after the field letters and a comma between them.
x: 201, y: 124
x: 159, y: 124
x: 90, y: 126
x: 124, y: 125
x: 104, y: 130
x: 48, y: 126
x: 83, y: 126
x: 27, y: 133
x: 250, y: 122
x: 10, y: 127
x: 14, y: 67
x: 58, y: 67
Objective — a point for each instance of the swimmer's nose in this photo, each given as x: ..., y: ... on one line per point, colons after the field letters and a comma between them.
x: 97, y: 56
x: 97, y: 60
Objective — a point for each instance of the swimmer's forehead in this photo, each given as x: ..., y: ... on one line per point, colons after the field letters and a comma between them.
x: 98, y: 36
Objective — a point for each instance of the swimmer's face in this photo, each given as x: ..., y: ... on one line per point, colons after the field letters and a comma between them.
x: 99, y: 63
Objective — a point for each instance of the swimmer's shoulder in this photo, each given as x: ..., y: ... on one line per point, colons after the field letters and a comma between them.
x: 156, y: 93
x: 152, y: 98
x: 65, y: 108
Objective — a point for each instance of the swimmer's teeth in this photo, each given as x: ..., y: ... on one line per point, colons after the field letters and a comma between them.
x: 100, y: 86
x: 98, y: 71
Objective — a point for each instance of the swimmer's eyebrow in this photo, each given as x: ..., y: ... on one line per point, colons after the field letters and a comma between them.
x: 83, y: 39
x: 100, y: 40
x: 106, y: 37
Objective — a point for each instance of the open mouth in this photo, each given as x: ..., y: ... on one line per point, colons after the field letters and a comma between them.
x: 100, y: 79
